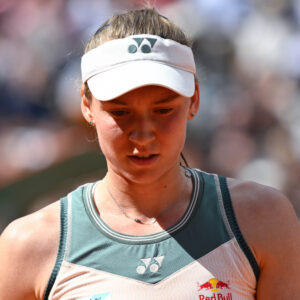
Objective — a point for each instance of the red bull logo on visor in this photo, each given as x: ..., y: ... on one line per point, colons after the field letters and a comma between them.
x: 214, y: 289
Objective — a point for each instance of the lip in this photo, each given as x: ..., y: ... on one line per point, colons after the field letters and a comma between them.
x: 143, y: 161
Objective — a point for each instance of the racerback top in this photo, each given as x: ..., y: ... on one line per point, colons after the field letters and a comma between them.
x: 203, y: 256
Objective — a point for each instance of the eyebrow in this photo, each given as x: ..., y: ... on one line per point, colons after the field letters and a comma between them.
x: 168, y: 99
x: 116, y: 101
x: 165, y: 100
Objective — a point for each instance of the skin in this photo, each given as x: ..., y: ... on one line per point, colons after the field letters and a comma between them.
x: 146, y: 121
x: 138, y: 127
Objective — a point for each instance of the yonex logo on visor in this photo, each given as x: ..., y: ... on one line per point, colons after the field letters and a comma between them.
x: 121, y: 65
x: 145, y: 48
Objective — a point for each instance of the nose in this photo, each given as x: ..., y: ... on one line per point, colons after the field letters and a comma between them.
x: 142, y: 131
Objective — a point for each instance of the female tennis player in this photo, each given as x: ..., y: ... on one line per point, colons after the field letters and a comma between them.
x: 152, y: 228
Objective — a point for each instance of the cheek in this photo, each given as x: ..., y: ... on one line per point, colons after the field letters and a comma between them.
x: 109, y: 134
x: 173, y: 131
x: 175, y: 124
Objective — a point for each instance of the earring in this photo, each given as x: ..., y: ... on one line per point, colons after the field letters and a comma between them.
x: 91, y: 122
x: 192, y: 114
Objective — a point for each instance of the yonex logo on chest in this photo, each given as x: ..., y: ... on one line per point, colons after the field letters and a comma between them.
x: 151, y: 264
x: 145, y: 45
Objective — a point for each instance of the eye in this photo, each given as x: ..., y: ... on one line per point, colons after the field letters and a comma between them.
x: 163, y: 111
x: 119, y: 113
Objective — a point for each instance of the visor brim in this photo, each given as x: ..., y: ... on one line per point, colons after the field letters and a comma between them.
x: 123, y: 78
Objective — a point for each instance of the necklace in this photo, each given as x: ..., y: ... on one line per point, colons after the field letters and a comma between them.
x: 151, y: 220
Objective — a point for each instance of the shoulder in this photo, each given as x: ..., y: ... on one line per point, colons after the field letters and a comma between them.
x: 272, y: 230
x: 28, y: 248
x: 37, y: 227
x: 256, y: 201
x: 263, y: 213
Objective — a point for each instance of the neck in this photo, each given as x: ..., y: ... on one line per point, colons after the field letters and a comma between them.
x: 144, y: 200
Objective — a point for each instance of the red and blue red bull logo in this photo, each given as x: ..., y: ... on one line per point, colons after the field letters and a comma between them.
x: 214, y: 289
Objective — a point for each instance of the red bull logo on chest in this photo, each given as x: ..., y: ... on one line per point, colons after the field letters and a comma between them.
x: 214, y: 289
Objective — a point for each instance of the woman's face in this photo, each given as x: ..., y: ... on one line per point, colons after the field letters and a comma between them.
x: 142, y: 132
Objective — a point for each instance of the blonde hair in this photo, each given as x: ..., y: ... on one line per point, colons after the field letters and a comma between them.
x: 140, y: 21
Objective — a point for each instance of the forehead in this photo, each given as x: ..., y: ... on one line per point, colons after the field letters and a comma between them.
x: 147, y: 94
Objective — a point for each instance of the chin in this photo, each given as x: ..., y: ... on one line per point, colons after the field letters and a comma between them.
x: 144, y: 173
x: 143, y: 176
x: 148, y: 176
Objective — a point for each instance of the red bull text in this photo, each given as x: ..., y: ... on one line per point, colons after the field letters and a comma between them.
x: 220, y: 290
x: 216, y: 296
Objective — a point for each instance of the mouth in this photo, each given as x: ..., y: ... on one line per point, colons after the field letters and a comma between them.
x: 143, y: 159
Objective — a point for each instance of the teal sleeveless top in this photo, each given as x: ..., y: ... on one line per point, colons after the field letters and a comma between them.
x: 203, y: 256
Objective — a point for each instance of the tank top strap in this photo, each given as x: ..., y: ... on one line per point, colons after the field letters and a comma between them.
x: 230, y: 218
x: 62, y: 244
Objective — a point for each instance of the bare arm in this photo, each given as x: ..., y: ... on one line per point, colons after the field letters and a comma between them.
x: 27, y: 255
x: 272, y: 230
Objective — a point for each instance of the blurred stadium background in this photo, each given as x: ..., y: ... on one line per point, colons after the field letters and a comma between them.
x: 248, y: 63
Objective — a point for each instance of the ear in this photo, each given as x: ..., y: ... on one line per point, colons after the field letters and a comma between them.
x: 86, y: 106
x: 195, y: 102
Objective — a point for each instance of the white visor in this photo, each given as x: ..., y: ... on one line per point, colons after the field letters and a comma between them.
x: 119, y: 66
